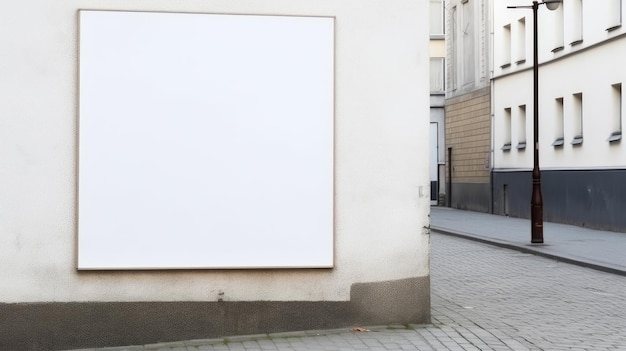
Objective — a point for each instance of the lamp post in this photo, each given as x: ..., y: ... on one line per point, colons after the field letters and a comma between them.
x: 536, y: 200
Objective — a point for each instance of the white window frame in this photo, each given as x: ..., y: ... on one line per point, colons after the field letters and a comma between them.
x: 506, y: 130
x: 506, y: 46
x: 437, y: 11
x: 437, y: 82
x: 614, y: 15
x: 521, y: 127
x: 617, y: 105
x: 576, y: 29
x: 577, y: 119
x: 521, y: 41
x: 559, y: 123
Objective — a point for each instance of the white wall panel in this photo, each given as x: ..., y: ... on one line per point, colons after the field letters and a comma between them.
x: 203, y: 132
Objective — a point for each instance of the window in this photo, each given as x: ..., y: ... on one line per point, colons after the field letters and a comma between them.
x: 506, y: 129
x: 436, y: 18
x: 521, y: 41
x: 437, y: 75
x: 452, y: 72
x: 615, y: 15
x: 521, y: 128
x: 558, y: 121
x: 576, y: 29
x: 616, y: 106
x: 468, y: 42
x: 558, y: 28
x: 506, y: 46
x: 577, y: 119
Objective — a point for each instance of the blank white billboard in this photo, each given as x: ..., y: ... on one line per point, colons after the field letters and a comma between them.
x: 205, y: 141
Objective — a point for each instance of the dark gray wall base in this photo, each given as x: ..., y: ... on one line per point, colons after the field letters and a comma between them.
x: 511, y: 193
x: 471, y: 196
x: 397, y: 301
x: 58, y: 326
x: 587, y: 198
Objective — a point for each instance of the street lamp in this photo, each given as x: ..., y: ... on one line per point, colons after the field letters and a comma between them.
x: 536, y: 200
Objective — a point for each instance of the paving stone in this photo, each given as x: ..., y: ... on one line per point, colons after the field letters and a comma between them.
x: 483, y: 298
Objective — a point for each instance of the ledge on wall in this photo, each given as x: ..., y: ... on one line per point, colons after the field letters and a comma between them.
x: 610, y: 29
x: 558, y: 48
x: 578, y: 140
x: 558, y: 142
x: 615, y: 136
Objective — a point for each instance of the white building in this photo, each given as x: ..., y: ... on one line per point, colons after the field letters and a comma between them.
x: 437, y: 102
x: 581, y: 111
x: 136, y: 207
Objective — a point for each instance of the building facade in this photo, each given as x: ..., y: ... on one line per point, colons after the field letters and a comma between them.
x: 437, y: 102
x: 468, y: 105
x: 61, y: 85
x: 581, y: 107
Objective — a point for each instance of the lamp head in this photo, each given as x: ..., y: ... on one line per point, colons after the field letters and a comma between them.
x: 552, y: 4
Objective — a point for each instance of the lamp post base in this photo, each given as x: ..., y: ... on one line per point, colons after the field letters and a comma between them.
x: 536, y: 216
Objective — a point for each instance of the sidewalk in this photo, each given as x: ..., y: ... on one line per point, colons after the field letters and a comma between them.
x: 605, y: 251
x: 484, y: 298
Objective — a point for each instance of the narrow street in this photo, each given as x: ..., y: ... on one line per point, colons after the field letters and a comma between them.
x: 500, y: 299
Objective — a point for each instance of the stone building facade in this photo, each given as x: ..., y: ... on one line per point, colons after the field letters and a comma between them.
x: 468, y: 132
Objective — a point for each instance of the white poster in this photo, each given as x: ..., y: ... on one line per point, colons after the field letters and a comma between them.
x: 206, y: 141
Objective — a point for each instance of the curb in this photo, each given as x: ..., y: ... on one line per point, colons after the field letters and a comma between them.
x: 531, y: 250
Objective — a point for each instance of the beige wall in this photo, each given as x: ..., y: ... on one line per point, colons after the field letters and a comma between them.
x: 468, y: 132
x: 437, y: 48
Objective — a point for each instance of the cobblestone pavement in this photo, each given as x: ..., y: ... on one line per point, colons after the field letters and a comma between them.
x: 500, y: 299
x: 483, y: 298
